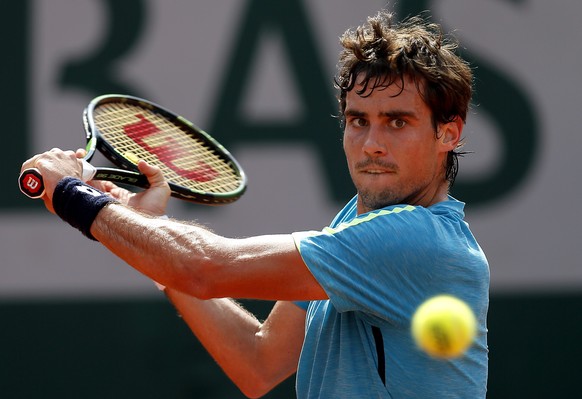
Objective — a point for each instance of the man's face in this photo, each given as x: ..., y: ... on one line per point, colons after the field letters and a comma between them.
x: 391, y: 148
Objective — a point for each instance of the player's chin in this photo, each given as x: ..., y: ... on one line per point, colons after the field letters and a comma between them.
x: 379, y: 182
x: 377, y: 179
x: 372, y: 199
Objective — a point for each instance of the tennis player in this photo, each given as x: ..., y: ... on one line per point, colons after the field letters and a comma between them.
x: 345, y: 294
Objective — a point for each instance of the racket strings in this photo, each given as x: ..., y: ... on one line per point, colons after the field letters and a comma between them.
x: 138, y: 133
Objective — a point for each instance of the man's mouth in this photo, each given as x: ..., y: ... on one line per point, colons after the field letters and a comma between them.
x: 375, y: 166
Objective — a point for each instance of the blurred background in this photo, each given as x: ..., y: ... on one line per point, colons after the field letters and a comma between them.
x: 258, y: 74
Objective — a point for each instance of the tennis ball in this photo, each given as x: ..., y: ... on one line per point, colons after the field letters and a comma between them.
x: 444, y: 326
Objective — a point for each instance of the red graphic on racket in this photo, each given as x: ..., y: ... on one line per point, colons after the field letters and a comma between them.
x: 126, y: 129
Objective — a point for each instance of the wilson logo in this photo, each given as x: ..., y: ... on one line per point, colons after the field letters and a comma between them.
x: 32, y: 183
x: 167, y: 150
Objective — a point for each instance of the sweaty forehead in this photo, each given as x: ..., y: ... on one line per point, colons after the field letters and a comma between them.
x: 402, y: 96
x: 386, y: 96
x: 393, y: 85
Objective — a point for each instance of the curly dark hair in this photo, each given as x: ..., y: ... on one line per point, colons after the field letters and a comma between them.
x: 381, y: 52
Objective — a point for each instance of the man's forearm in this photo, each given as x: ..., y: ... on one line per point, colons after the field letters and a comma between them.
x: 254, y: 355
x: 166, y: 251
x: 195, y: 261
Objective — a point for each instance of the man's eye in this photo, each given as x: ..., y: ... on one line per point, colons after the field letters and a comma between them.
x: 358, y: 122
x: 398, y: 123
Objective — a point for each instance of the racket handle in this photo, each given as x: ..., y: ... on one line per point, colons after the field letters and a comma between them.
x: 32, y: 185
x: 88, y: 171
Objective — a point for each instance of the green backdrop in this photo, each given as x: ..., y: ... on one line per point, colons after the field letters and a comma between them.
x: 141, y: 349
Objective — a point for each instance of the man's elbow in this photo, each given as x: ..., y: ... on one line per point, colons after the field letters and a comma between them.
x: 202, y: 281
x: 256, y: 386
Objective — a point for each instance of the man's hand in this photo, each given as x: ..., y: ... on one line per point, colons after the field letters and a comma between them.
x: 53, y: 165
x: 56, y: 164
x: 152, y: 201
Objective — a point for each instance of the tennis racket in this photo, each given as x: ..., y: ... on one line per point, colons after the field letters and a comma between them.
x: 126, y: 129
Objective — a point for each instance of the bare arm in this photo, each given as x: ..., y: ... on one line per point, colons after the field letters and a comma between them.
x: 186, y: 257
x: 193, y: 260
x: 255, y: 356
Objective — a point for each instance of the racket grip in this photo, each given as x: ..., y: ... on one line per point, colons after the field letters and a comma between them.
x: 32, y: 185
x: 88, y: 171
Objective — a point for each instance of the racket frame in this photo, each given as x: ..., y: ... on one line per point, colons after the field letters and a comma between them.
x: 129, y: 173
x: 31, y: 182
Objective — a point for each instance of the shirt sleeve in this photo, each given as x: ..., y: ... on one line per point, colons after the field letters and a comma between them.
x: 381, y: 263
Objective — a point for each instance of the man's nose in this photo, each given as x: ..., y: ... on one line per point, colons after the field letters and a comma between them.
x: 375, y: 143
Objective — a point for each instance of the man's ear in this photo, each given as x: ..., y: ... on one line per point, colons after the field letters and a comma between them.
x: 450, y: 134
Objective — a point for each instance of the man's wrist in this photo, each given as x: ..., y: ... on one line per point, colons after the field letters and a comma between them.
x: 78, y: 204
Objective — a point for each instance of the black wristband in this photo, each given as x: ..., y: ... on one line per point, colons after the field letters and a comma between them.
x: 78, y: 204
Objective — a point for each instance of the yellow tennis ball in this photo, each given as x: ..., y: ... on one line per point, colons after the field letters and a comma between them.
x: 444, y: 326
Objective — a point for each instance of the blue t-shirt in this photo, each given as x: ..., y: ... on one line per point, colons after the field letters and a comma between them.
x: 376, y: 269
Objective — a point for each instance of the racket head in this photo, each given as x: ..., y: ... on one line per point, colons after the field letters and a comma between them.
x: 198, y: 168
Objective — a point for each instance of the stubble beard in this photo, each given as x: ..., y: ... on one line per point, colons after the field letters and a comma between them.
x: 376, y: 200
x: 372, y: 199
